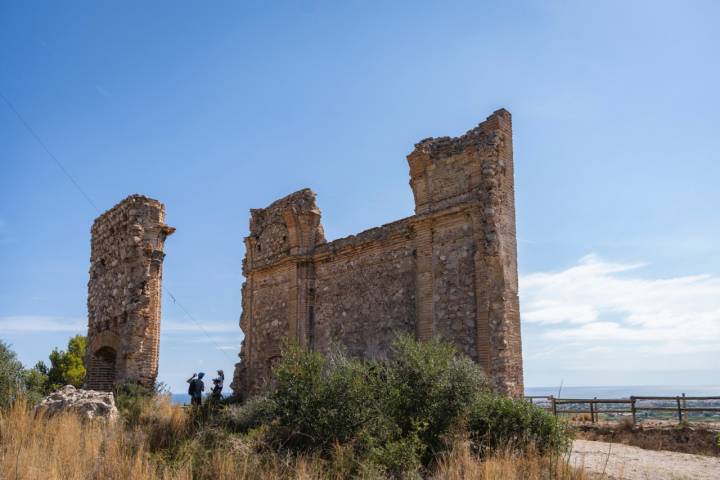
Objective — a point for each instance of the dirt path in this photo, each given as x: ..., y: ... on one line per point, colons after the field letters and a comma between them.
x: 633, y: 463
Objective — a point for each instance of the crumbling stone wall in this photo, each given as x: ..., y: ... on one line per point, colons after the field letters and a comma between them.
x: 449, y: 271
x: 124, y: 293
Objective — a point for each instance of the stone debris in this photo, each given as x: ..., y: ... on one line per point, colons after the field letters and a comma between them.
x: 89, y: 404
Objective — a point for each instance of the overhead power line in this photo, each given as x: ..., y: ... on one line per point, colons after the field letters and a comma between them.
x: 65, y: 172
x: 50, y: 154
x: 189, y: 315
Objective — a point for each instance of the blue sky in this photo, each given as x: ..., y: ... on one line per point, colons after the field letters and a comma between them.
x: 216, y: 109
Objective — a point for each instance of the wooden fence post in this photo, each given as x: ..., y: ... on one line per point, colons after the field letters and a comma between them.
x: 553, y: 406
x: 679, y: 409
x: 684, y: 406
x: 632, y: 407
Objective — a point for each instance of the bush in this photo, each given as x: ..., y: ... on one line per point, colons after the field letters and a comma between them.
x: 428, y: 389
x: 399, y: 457
x: 11, y: 376
x: 131, y: 400
x: 255, y: 412
x: 500, y: 425
x: 320, y: 402
x: 395, y: 416
x: 36, y: 383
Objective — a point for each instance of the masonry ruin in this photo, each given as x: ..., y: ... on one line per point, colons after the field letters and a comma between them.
x: 449, y: 271
x: 124, y: 294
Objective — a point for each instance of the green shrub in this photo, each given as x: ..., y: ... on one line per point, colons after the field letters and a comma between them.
x: 400, y: 457
x: 131, y: 400
x: 393, y: 416
x: 11, y: 376
x: 320, y: 401
x: 36, y: 383
x: 428, y: 389
x: 498, y: 424
x: 255, y: 412
x: 396, y: 412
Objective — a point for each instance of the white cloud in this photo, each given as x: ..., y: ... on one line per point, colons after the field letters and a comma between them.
x: 49, y: 323
x: 41, y: 323
x: 233, y: 348
x: 177, y: 326
x: 603, y: 304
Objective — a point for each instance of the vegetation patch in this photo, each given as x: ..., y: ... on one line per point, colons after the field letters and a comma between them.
x: 423, y: 412
x: 393, y: 416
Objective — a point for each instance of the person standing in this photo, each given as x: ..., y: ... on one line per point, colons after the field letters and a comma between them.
x: 196, y: 388
x: 218, y: 385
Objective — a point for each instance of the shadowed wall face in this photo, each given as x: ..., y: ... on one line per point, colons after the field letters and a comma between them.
x: 449, y: 271
x: 124, y: 294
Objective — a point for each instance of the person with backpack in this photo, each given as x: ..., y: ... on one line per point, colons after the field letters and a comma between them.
x: 196, y: 388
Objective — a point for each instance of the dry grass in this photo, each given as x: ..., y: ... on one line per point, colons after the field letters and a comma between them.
x: 66, y: 447
x: 460, y: 464
x: 162, y: 446
x: 579, y: 418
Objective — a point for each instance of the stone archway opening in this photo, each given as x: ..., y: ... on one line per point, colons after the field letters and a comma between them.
x: 102, y: 371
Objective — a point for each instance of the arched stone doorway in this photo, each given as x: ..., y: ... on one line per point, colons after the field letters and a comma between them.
x: 102, y: 369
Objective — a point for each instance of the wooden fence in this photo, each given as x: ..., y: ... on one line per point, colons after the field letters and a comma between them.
x: 632, y: 407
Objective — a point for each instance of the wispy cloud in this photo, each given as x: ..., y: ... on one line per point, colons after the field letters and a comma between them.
x: 233, y: 348
x: 602, y: 303
x: 199, y: 336
x: 182, y: 326
x: 49, y: 323
x: 41, y: 323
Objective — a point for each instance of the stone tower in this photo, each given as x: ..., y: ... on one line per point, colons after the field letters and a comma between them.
x: 124, y: 293
x: 449, y: 271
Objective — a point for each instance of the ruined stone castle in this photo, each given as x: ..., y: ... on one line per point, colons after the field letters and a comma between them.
x: 449, y: 271
x: 124, y: 294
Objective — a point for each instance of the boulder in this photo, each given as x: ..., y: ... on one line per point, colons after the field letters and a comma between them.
x: 89, y: 404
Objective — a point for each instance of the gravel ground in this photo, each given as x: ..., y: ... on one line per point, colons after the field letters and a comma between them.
x: 633, y: 463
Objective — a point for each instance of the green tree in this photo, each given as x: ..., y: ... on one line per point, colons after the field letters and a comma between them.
x: 67, y: 367
x: 36, y: 382
x: 11, y: 375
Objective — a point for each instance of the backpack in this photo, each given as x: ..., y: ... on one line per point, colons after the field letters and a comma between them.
x: 193, y: 387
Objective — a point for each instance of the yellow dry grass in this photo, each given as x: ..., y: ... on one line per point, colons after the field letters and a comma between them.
x: 460, y: 464
x: 65, y: 447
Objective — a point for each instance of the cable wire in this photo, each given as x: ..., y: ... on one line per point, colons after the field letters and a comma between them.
x: 182, y: 307
x: 50, y: 154
x: 89, y: 200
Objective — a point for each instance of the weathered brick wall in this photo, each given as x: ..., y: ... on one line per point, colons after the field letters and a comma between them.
x: 365, y: 290
x: 124, y: 293
x: 449, y: 271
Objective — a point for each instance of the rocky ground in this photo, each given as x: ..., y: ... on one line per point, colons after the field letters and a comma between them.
x: 89, y: 404
x: 619, y: 461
